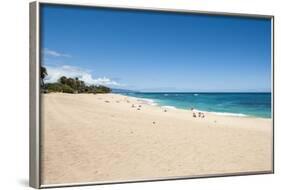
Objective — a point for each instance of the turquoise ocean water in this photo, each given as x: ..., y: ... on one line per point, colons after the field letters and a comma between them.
x: 235, y: 104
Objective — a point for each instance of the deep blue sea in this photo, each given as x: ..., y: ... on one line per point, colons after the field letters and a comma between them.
x: 236, y: 104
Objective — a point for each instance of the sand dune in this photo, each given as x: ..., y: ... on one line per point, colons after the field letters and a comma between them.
x: 92, y: 138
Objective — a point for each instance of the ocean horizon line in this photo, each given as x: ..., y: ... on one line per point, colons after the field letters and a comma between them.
x: 190, y: 92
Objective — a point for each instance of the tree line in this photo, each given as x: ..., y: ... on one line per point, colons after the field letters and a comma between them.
x: 70, y: 85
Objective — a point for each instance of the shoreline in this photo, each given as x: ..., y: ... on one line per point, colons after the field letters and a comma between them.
x: 105, y: 137
x: 229, y: 114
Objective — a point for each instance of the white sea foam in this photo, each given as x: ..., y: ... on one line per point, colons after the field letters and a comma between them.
x: 229, y: 114
x: 147, y: 101
x: 195, y: 110
x: 222, y: 113
x: 195, y: 94
x: 166, y: 94
x: 169, y: 107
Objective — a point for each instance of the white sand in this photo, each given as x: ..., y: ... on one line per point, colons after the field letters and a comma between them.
x: 92, y: 138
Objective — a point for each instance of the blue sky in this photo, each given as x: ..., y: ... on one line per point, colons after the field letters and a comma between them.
x: 154, y: 51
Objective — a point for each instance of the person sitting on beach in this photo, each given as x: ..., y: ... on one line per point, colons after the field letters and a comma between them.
x: 194, y: 114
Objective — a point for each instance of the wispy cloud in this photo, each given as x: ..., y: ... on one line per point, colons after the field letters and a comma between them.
x: 55, y: 72
x: 53, y: 53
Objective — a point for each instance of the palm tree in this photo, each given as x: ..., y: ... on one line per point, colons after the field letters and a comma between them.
x: 77, y: 85
x: 63, y: 80
x: 43, y: 74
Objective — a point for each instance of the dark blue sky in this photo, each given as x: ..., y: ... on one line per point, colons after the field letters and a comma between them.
x: 154, y: 51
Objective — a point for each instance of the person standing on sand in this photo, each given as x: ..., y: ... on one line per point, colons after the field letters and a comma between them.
x: 193, y: 112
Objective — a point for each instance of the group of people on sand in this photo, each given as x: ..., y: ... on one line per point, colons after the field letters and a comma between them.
x: 199, y: 114
x: 138, y: 107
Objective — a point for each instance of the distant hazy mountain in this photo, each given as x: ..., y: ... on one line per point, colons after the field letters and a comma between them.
x: 116, y: 90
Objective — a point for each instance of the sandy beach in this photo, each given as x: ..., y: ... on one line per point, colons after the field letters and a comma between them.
x: 102, y: 137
